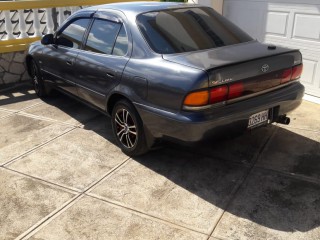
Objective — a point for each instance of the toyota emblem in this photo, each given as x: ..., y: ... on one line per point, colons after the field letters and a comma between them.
x: 265, y: 68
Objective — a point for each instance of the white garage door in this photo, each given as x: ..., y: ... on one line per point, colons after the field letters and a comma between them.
x: 290, y: 23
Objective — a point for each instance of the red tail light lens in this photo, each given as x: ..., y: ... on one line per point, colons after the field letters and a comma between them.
x: 218, y: 94
x: 297, y: 71
x: 291, y: 74
x: 235, y: 90
x: 286, y: 76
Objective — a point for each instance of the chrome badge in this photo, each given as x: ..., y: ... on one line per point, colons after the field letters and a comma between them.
x: 265, y: 68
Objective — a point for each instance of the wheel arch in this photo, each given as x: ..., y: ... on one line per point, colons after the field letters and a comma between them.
x: 29, y: 60
x: 113, y: 99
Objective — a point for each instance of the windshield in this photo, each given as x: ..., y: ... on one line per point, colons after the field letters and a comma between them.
x: 188, y: 29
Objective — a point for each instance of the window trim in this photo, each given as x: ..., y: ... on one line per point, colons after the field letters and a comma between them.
x: 86, y: 36
x: 122, y: 25
x: 67, y: 24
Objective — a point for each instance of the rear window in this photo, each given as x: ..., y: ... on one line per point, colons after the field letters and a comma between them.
x: 102, y: 36
x: 188, y: 29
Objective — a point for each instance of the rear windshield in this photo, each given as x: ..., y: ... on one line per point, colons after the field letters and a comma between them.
x: 188, y: 29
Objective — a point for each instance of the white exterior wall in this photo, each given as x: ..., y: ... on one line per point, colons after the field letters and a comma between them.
x: 216, y: 4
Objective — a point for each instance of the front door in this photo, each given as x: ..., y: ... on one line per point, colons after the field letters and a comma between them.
x: 58, y: 66
x: 101, y: 62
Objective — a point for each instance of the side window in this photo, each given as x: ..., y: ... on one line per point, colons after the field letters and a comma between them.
x: 121, y: 46
x: 102, y: 36
x: 72, y: 35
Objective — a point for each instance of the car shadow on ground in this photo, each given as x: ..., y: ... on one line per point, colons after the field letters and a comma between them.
x: 268, y: 177
x: 268, y: 195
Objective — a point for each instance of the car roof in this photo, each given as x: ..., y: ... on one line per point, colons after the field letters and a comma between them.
x: 140, y: 7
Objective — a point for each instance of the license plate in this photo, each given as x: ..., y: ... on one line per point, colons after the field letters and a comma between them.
x: 258, y: 119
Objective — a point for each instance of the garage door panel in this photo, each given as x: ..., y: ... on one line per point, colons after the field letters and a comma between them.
x: 310, y: 67
x: 311, y: 73
x: 292, y: 43
x: 307, y: 26
x: 277, y: 23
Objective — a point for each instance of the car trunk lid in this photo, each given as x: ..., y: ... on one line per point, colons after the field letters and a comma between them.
x: 224, y: 56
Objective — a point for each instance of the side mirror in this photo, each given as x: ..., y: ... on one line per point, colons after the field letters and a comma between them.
x: 47, y: 39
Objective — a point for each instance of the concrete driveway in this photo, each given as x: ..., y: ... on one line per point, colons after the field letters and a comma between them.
x: 62, y: 177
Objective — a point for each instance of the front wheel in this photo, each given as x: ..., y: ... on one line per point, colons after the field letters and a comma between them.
x: 37, y: 81
x: 128, y: 129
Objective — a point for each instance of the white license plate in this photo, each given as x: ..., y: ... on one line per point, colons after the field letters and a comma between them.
x: 258, y: 119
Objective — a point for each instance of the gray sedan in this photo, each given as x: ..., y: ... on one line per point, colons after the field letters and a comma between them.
x: 167, y: 70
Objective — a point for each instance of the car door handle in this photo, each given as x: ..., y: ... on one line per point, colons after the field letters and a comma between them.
x: 110, y: 75
x: 69, y: 62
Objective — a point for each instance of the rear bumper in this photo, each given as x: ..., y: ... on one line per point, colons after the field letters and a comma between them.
x: 195, y: 126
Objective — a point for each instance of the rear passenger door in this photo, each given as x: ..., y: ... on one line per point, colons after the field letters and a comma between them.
x: 100, y: 64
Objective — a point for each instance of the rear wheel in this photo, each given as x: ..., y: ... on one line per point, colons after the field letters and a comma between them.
x: 128, y: 129
x: 37, y: 81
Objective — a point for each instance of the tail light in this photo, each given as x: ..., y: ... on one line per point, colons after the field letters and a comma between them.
x: 297, y: 71
x: 197, y: 99
x: 206, y: 97
x: 291, y: 73
x: 222, y: 93
x: 286, y: 75
x: 218, y: 94
x: 235, y: 90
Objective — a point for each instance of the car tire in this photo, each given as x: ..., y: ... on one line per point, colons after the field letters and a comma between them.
x: 37, y: 81
x: 128, y: 129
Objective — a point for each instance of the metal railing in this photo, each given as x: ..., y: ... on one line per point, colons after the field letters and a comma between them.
x: 22, y: 24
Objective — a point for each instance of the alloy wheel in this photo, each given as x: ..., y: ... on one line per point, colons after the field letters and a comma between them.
x: 35, y: 79
x: 126, y: 129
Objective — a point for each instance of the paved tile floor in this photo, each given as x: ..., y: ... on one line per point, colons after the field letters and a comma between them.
x: 62, y: 177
